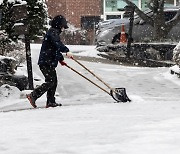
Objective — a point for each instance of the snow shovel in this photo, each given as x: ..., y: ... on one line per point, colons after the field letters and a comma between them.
x: 118, y: 94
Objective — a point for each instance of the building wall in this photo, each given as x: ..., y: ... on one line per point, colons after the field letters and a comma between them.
x: 56, y: 7
x: 73, y: 10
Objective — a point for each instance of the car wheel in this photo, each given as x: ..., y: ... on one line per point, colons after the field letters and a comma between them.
x: 116, y: 38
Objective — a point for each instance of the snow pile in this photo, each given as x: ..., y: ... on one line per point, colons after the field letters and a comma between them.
x: 172, y: 78
x: 175, y: 68
x: 8, y: 92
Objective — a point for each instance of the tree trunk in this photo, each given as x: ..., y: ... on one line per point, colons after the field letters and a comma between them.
x: 159, y: 20
x: 160, y: 30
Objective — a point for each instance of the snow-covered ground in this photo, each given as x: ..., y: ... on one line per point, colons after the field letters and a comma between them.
x: 89, y: 122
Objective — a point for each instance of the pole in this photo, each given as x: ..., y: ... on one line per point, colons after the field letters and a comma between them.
x: 29, y: 62
x: 130, y: 31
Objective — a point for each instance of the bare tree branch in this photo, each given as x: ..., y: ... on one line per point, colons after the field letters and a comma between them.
x: 155, y: 6
x: 142, y: 15
x: 161, y: 4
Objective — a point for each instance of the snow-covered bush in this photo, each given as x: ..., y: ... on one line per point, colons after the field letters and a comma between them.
x: 11, y: 49
x: 176, y: 54
x: 36, y: 17
x: 7, y: 65
x: 17, y: 50
x: 3, y: 42
x: 74, y: 36
x: 7, y: 91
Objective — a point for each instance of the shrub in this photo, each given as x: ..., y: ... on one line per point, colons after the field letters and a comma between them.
x: 176, y: 54
x: 74, y: 36
x: 11, y: 49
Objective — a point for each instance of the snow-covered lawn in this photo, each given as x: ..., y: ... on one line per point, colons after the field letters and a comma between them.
x: 90, y: 122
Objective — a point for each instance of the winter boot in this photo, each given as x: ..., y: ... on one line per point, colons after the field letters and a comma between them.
x: 54, y: 104
x: 31, y: 100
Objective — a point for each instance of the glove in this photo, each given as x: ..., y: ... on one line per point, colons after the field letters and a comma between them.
x: 63, y: 63
x: 69, y: 54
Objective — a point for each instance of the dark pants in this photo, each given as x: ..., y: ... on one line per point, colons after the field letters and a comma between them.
x: 49, y: 86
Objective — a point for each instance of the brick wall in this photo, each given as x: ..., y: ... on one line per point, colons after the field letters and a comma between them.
x: 56, y: 7
x: 78, y: 8
x: 74, y: 9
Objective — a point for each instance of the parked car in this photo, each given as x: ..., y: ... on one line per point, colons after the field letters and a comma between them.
x: 108, y: 32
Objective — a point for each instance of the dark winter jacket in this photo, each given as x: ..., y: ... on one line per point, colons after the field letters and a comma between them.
x: 52, y: 49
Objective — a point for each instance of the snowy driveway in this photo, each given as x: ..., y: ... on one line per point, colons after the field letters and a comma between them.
x: 90, y: 123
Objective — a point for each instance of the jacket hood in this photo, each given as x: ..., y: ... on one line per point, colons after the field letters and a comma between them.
x: 59, y: 22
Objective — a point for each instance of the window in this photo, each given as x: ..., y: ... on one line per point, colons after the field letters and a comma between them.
x: 113, y: 17
x: 116, y: 5
x: 144, y: 4
x: 169, y: 3
x: 111, y: 5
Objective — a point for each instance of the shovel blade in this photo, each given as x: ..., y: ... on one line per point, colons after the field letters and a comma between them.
x: 119, y: 94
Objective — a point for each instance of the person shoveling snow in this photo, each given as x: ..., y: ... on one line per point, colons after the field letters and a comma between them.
x: 50, y: 54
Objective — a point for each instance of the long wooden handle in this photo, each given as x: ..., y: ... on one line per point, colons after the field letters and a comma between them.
x: 92, y: 73
x: 88, y: 79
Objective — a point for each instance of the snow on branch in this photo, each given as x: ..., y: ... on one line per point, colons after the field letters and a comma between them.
x: 13, y: 1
